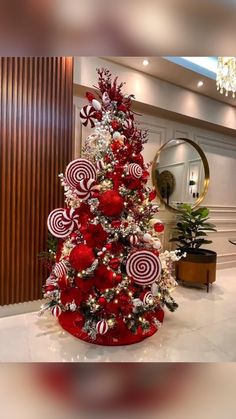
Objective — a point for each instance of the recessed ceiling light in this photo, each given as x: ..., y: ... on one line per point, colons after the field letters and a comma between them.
x: 200, y: 83
x: 145, y: 62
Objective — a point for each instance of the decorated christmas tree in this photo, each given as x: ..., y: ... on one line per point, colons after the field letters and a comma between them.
x: 111, y: 280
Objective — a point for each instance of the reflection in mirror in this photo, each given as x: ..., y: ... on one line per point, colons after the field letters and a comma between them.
x: 180, y: 173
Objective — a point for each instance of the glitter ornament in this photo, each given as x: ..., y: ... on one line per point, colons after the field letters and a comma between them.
x: 111, y: 203
x: 81, y: 257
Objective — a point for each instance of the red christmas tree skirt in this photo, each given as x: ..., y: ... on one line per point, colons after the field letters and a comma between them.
x: 73, y: 323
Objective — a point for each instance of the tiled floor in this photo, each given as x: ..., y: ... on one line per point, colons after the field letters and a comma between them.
x: 203, y: 329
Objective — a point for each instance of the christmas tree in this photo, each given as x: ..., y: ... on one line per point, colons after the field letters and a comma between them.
x: 110, y: 281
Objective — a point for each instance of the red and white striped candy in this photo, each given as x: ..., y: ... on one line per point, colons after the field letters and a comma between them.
x: 51, y: 280
x: 143, y: 266
x: 100, y: 165
x: 60, y: 269
x: 78, y: 170
x: 70, y: 218
x: 147, y: 298
x: 102, y: 327
x: 56, y: 311
x: 133, y: 239
x: 85, y: 188
x: 135, y: 170
x: 87, y: 114
x: 56, y: 224
x: 128, y: 124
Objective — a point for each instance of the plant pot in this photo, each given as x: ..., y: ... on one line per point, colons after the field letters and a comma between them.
x: 198, y: 267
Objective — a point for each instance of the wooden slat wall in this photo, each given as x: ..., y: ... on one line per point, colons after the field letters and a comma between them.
x: 35, y: 146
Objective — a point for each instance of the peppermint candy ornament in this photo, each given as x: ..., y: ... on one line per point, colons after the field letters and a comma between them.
x: 56, y: 311
x: 70, y: 218
x: 148, y: 298
x: 106, y: 99
x: 78, y: 170
x: 135, y: 170
x: 100, y: 165
x: 85, y: 188
x: 51, y: 280
x: 143, y: 266
x: 128, y: 124
x: 56, y: 224
x: 87, y: 115
x: 102, y: 327
x: 60, y: 269
x: 133, y: 239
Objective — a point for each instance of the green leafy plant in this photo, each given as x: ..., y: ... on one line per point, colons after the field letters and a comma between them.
x: 192, y: 228
x: 48, y: 257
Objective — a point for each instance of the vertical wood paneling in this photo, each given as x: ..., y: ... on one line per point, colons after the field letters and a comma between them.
x: 35, y: 146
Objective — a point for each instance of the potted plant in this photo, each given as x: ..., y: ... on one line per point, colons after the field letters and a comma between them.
x: 199, y: 265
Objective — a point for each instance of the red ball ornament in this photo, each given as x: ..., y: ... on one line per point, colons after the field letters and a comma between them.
x: 118, y: 278
x: 108, y: 246
x: 116, y: 223
x: 102, y: 301
x: 158, y: 227
x: 81, y: 257
x: 111, y: 203
x: 114, y: 263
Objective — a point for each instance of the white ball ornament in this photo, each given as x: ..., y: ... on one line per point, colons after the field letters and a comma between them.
x: 156, y: 243
x: 116, y: 135
x: 96, y: 105
x: 147, y: 237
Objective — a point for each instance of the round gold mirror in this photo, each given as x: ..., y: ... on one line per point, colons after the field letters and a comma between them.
x: 180, y: 173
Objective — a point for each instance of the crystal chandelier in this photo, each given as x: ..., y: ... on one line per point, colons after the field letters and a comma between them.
x: 226, y: 75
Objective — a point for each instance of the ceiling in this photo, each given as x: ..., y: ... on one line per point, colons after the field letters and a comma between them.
x: 163, y: 69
